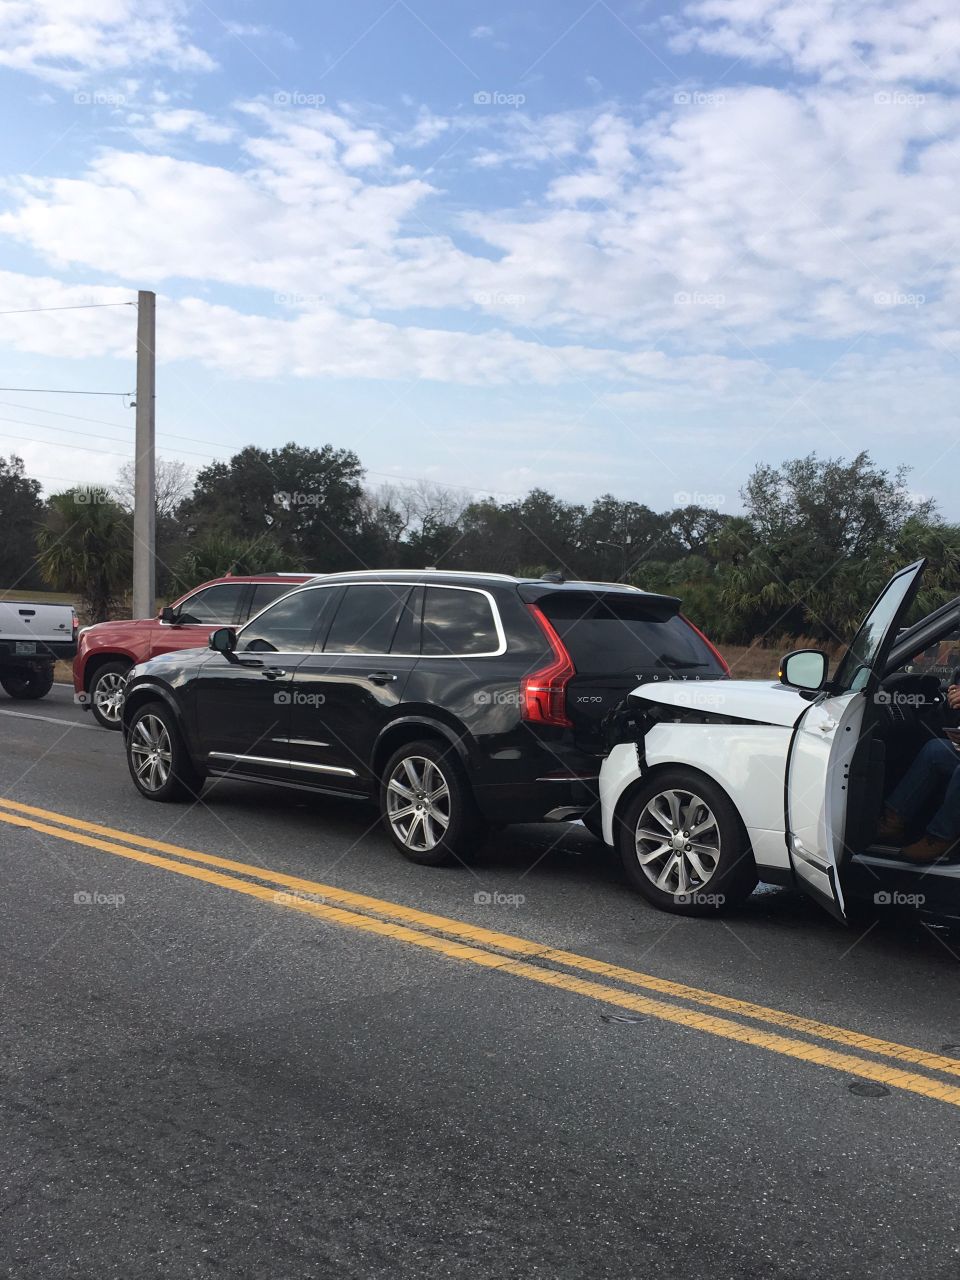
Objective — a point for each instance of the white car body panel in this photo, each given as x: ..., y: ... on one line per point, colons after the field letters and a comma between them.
x: 748, y: 760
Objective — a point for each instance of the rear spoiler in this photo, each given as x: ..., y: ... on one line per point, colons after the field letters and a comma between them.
x: 580, y: 597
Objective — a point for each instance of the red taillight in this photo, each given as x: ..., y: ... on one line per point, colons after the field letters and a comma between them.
x: 710, y: 645
x: 543, y: 693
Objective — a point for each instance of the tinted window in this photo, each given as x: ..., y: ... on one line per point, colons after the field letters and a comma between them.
x: 456, y: 621
x: 216, y: 605
x: 367, y: 618
x: 601, y: 640
x: 941, y: 659
x: 406, y: 638
x: 289, y: 625
x: 265, y: 592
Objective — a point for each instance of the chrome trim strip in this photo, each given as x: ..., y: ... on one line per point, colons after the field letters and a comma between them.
x: 289, y: 764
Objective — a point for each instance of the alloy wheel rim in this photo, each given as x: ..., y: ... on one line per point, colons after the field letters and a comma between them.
x: 108, y: 694
x: 151, y: 752
x: 418, y: 803
x: 678, y: 842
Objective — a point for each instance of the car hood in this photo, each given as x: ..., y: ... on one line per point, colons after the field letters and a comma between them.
x: 758, y: 701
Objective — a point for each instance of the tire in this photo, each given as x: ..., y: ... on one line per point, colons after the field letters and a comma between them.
x: 721, y: 872
x: 157, y: 756
x: 28, y: 684
x: 106, y: 693
x: 447, y: 828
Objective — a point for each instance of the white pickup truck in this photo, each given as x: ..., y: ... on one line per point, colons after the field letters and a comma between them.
x: 32, y: 637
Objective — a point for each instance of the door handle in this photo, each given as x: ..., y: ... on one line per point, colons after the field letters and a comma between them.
x: 273, y: 673
x: 381, y: 677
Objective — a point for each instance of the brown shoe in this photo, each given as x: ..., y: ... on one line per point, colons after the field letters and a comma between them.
x: 928, y: 849
x: 891, y: 830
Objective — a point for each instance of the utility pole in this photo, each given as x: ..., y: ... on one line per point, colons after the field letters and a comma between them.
x: 144, y: 482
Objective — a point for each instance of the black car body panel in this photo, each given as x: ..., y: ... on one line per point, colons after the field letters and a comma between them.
x: 326, y: 683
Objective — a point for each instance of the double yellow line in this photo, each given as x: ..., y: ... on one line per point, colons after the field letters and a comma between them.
x: 686, y: 1006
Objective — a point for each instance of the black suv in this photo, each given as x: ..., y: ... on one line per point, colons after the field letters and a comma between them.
x: 454, y: 699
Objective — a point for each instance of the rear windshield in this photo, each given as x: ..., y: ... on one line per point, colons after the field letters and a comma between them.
x: 600, y: 640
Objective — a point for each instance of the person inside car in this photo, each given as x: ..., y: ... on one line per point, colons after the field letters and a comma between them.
x: 938, y: 763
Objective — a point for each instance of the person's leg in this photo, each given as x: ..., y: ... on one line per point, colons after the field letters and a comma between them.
x: 942, y: 836
x: 918, y: 786
x: 945, y: 824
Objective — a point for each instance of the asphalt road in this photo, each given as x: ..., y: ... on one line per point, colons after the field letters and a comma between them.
x: 221, y: 1070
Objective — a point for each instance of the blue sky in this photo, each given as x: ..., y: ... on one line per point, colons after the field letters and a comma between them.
x: 604, y: 247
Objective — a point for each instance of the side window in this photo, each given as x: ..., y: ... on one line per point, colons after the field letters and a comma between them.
x: 367, y: 619
x: 218, y: 606
x: 458, y: 622
x: 265, y: 593
x: 289, y: 625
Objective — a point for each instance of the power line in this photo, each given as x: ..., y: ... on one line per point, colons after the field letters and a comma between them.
x: 61, y: 391
x: 79, y: 306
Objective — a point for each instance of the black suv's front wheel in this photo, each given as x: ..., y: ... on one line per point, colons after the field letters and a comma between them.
x: 157, y: 756
x: 427, y: 806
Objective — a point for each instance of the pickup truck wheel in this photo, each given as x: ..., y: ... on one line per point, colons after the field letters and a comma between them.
x: 427, y: 806
x: 28, y: 684
x: 158, y: 758
x: 106, y: 693
x: 684, y: 846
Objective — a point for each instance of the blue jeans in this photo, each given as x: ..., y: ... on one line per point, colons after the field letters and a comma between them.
x: 936, y: 764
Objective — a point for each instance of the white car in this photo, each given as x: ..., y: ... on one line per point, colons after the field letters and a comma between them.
x: 712, y: 785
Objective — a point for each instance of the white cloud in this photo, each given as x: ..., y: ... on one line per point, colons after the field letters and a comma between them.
x: 835, y: 40
x: 67, y: 41
x: 481, y: 33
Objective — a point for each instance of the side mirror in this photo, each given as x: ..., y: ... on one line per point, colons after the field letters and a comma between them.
x: 168, y: 615
x: 804, y: 669
x: 223, y: 640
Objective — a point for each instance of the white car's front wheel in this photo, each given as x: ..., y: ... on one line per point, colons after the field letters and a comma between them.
x: 683, y: 845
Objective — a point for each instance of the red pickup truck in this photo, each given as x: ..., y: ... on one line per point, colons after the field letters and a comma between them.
x: 107, y: 651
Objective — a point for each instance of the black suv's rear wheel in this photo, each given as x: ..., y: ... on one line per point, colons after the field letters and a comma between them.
x: 683, y: 845
x: 427, y: 806
x: 106, y: 693
x: 157, y: 756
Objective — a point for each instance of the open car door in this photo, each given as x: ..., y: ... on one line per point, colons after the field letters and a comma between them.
x: 825, y: 739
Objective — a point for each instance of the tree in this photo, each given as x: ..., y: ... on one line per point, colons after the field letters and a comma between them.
x: 215, y: 554
x: 173, y: 485
x: 86, y: 547
x: 310, y: 501
x: 20, y: 513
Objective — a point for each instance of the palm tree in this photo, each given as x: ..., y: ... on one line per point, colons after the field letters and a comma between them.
x: 86, y: 546
x: 214, y: 554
